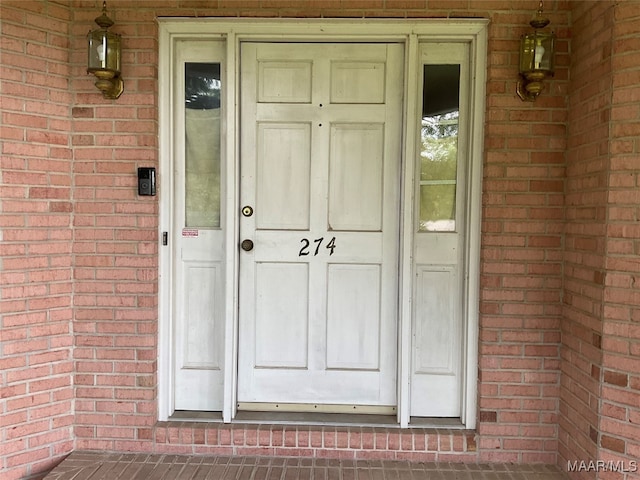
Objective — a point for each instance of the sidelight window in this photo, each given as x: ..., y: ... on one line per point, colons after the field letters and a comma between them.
x: 439, y: 148
x: 203, y: 88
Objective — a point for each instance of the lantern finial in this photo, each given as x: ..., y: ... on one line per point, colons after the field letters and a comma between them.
x: 103, y: 20
x: 539, y: 20
x: 104, y: 56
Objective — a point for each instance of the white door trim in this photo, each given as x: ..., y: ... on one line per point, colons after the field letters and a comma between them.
x: 408, y: 32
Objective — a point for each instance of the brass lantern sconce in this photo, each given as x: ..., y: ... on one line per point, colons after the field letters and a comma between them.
x: 537, y: 52
x: 104, y: 57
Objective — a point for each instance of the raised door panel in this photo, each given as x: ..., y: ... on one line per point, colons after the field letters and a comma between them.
x: 356, y: 177
x: 357, y: 82
x: 284, y: 81
x: 353, y: 317
x: 436, y: 326
x: 281, y: 315
x: 283, y: 165
x: 202, y: 311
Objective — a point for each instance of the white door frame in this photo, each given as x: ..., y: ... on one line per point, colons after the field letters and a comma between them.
x: 409, y: 32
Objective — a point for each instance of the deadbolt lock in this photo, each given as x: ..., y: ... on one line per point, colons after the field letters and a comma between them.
x: 247, y: 211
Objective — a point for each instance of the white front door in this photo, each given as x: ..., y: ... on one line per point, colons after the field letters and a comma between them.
x: 320, y: 173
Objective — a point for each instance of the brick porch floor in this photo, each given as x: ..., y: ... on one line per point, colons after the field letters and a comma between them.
x: 117, y: 466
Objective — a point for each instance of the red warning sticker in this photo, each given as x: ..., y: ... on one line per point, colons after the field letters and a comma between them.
x: 190, y: 232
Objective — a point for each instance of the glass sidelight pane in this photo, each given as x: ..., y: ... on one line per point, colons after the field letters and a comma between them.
x: 439, y: 148
x: 202, y: 145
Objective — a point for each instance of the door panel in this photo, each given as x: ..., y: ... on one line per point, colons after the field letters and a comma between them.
x: 197, y: 239
x: 283, y: 158
x: 282, y: 304
x: 437, y: 340
x: 353, y: 319
x: 355, y: 177
x: 284, y: 82
x: 357, y: 82
x: 320, y: 143
x: 436, y: 380
x: 200, y: 311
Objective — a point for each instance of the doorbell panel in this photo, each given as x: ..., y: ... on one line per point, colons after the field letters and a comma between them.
x: 146, y: 181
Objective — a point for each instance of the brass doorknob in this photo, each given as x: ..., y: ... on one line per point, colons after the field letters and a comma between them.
x: 246, y: 245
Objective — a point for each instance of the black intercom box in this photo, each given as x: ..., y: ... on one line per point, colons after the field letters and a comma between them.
x: 146, y: 181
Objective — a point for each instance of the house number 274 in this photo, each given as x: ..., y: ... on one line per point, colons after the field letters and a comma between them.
x: 306, y: 246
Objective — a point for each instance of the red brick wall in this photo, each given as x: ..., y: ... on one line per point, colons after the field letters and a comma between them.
x: 115, y: 236
x: 585, y: 249
x: 36, y: 397
x: 600, y: 396
x: 620, y: 401
x: 521, y: 257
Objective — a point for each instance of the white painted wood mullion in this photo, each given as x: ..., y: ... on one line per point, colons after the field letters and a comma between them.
x: 478, y: 60
x: 165, y: 200
x: 232, y: 179
x: 406, y: 228
x: 333, y: 30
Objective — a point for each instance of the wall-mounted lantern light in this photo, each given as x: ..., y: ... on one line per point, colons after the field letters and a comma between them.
x: 104, y: 57
x: 537, y: 51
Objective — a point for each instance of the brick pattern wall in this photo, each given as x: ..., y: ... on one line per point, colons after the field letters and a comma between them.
x: 600, y: 397
x: 416, y: 444
x: 521, y: 258
x: 620, y: 394
x: 115, y: 235
x: 585, y: 249
x: 36, y: 394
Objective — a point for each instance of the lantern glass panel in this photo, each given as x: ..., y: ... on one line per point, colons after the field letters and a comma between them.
x: 104, y: 51
x: 537, y: 52
x: 547, y: 42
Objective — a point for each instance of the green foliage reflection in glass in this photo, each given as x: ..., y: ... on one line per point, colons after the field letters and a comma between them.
x: 439, y: 148
x: 202, y: 85
x: 202, y: 145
